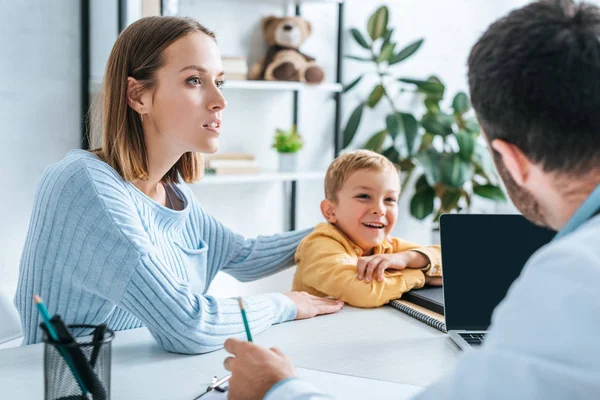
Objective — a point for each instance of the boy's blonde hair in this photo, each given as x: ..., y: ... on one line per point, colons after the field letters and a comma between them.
x: 346, y: 164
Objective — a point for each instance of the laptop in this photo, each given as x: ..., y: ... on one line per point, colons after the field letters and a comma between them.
x: 482, y: 254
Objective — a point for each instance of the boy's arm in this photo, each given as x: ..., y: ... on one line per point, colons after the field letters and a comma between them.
x: 327, y: 267
x: 433, y: 254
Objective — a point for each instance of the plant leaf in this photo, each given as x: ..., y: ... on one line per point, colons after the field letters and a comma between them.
x: 375, y: 96
x: 411, y: 131
x: 421, y: 184
x: 471, y: 125
x: 421, y: 204
x: 406, y: 52
x: 387, y: 37
x: 432, y: 104
x: 492, y: 192
x: 352, y: 84
x: 435, y: 126
x: 392, y: 122
x: 377, y: 24
x: 429, y: 160
x: 466, y: 144
x: 386, y: 52
x: 455, y: 171
x: 352, y: 125
x: 427, y: 87
x: 391, y: 154
x: 360, y: 39
x: 375, y: 143
x: 483, y: 157
x: 461, y: 103
x: 370, y: 59
x: 450, y: 200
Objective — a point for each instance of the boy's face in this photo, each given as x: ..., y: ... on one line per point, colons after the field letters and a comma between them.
x: 366, y: 208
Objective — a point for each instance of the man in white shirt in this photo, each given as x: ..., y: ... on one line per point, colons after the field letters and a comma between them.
x: 534, y: 78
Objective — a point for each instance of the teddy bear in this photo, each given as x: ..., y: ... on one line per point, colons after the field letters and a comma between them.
x: 283, y: 61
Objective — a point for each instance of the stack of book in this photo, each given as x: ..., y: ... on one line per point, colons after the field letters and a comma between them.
x: 236, y: 68
x: 230, y: 163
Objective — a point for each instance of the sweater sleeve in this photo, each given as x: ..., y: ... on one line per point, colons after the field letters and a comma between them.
x: 327, y: 268
x: 135, y: 277
x: 433, y: 253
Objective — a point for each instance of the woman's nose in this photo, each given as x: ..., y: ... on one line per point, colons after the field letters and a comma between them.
x: 217, y: 102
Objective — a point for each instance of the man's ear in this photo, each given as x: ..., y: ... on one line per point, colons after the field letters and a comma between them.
x: 135, y: 98
x: 517, y: 163
x: 328, y: 211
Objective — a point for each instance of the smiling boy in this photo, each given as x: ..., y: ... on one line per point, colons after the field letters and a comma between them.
x: 352, y: 257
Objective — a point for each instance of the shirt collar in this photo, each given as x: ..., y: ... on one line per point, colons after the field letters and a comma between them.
x: 586, y: 210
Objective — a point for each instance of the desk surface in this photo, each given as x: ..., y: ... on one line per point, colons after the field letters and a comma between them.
x: 377, y: 343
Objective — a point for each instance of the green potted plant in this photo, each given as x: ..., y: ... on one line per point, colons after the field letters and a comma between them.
x: 287, y: 144
x: 444, y: 146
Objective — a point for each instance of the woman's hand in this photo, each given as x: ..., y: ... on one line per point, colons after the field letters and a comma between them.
x: 254, y: 369
x: 308, y: 306
x: 373, y: 266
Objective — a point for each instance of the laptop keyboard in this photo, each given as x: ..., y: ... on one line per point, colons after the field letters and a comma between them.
x: 474, y: 339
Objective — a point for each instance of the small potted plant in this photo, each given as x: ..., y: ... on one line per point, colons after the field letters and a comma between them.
x: 287, y: 144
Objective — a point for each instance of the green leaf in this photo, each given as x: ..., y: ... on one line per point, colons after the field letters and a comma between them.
x: 471, y: 125
x: 429, y: 160
x: 375, y: 96
x: 433, y: 125
x: 375, y: 143
x: 411, y: 131
x: 455, y: 171
x: 392, y: 123
x: 492, y: 192
x: 352, y: 125
x: 386, y: 52
x: 352, y: 84
x: 450, y: 200
x: 387, y: 37
x: 421, y: 204
x: 391, y: 154
x: 406, y: 52
x: 427, y: 87
x: 360, y: 39
x: 427, y: 140
x: 377, y: 24
x: 466, y: 144
x: 432, y: 104
x: 461, y: 103
x: 370, y: 59
x: 421, y: 184
x: 483, y: 157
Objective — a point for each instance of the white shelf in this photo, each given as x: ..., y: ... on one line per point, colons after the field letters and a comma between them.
x: 277, y: 85
x: 95, y: 85
x: 260, y: 177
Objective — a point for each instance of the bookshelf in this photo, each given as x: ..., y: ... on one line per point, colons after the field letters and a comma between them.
x: 92, y: 84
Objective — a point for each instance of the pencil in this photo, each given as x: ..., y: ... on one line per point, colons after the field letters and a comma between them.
x: 245, y: 318
x: 52, y: 332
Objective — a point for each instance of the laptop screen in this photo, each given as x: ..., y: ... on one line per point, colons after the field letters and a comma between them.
x: 481, y: 256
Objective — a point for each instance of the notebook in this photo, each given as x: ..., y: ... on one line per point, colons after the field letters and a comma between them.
x: 426, y: 305
x: 346, y: 387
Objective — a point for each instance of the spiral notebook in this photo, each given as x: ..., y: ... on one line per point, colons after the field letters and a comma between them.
x: 426, y: 305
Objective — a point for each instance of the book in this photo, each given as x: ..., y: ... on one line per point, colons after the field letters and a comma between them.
x: 428, y: 299
x: 229, y: 156
x: 236, y: 68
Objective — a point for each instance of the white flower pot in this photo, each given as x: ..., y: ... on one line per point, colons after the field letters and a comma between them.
x: 288, y: 162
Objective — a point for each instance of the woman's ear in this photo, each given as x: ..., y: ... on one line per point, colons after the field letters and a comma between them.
x: 328, y: 211
x: 517, y: 163
x: 135, y: 98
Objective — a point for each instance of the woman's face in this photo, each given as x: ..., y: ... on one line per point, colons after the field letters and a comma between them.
x: 187, y: 103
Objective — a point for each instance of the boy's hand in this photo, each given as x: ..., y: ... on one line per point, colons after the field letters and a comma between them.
x: 374, y: 266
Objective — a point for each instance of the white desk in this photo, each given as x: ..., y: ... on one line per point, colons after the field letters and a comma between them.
x: 378, y: 343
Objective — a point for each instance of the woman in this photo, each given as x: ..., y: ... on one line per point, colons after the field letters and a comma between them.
x: 114, y: 231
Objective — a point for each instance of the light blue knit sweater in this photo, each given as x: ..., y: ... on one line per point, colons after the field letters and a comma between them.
x: 98, y: 250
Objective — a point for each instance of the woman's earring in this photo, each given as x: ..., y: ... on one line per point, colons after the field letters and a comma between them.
x: 142, y: 118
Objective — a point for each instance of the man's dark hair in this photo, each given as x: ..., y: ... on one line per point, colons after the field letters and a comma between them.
x: 534, y: 78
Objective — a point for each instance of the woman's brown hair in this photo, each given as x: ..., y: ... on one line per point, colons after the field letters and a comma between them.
x: 138, y: 53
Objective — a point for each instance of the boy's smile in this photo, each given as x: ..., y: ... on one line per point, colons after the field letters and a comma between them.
x: 366, y: 206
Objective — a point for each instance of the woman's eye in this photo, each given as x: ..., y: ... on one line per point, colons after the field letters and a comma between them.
x: 195, y: 81
x: 220, y: 84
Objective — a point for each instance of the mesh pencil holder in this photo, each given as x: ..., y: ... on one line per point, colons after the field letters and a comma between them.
x: 89, y: 356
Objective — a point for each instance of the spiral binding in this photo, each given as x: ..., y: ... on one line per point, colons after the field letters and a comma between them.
x: 440, y: 326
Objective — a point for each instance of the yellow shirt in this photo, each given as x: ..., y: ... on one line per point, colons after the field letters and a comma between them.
x: 327, y: 260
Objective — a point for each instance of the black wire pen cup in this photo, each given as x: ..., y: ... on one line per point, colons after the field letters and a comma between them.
x: 79, y: 369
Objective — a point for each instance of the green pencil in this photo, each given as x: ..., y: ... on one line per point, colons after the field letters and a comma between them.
x: 243, y: 310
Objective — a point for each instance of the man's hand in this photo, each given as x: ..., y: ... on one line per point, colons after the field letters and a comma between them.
x: 374, y: 266
x: 254, y: 369
x: 433, y: 280
x: 308, y: 306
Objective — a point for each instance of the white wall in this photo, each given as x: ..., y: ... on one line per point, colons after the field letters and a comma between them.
x: 39, y: 109
x: 39, y: 103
